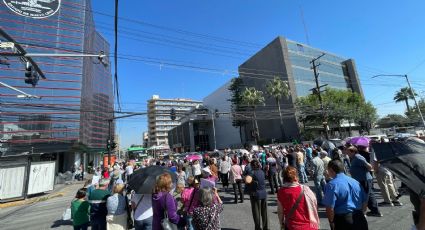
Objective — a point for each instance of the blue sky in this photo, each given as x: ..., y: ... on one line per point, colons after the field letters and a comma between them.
x: 382, y: 36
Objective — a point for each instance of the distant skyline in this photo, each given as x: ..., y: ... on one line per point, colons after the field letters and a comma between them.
x: 187, y: 49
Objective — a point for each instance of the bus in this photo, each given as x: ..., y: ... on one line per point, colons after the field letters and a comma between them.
x: 136, y: 152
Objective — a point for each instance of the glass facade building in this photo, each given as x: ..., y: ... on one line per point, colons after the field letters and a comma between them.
x: 332, y: 69
x: 290, y: 61
x: 77, y: 96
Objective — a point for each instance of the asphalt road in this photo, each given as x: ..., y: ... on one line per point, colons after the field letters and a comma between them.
x: 47, y: 214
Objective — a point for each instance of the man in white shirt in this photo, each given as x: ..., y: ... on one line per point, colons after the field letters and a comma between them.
x: 128, y: 171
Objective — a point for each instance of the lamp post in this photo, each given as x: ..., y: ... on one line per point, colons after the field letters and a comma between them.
x: 411, y: 91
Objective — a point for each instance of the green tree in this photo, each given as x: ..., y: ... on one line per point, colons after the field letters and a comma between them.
x: 413, y: 114
x: 252, y: 98
x: 339, y: 106
x: 236, y: 90
x: 392, y: 120
x: 278, y: 89
x: 404, y: 94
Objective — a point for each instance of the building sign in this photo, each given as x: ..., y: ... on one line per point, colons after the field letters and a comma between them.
x: 33, y: 8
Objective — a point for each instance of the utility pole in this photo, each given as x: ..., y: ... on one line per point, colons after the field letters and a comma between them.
x: 411, y: 91
x: 318, y: 92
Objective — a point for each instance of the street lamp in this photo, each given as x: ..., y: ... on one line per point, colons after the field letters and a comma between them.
x: 411, y: 91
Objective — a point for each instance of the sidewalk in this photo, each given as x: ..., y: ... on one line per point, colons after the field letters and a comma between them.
x: 58, y: 191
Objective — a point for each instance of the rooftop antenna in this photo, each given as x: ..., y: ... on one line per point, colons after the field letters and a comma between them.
x: 304, y: 24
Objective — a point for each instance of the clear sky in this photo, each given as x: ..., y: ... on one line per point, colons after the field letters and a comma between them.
x: 382, y: 36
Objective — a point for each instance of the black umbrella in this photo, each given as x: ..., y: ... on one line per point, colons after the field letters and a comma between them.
x: 143, y: 180
x: 338, y: 143
x: 327, y: 145
x: 319, y: 141
x: 406, y: 160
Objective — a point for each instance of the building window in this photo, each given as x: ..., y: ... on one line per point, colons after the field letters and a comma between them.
x: 300, y: 48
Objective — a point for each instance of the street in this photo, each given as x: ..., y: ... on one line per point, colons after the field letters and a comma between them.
x: 48, y: 214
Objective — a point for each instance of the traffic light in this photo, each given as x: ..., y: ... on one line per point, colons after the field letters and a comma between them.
x: 173, y: 114
x: 216, y: 115
x: 31, y: 77
x: 113, y: 145
x: 108, y: 144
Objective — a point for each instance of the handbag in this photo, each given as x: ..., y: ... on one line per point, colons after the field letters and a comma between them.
x: 294, y: 207
x: 66, y: 215
x: 166, y: 223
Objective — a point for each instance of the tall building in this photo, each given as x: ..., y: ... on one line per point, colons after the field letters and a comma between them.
x: 76, y: 99
x: 159, y: 119
x: 290, y: 61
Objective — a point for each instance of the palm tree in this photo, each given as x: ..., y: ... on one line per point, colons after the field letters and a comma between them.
x: 253, y: 98
x: 404, y: 94
x: 278, y: 89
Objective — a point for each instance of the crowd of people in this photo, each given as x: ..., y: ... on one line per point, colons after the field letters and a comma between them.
x: 342, y: 185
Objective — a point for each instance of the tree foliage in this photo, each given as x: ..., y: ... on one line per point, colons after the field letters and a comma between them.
x: 392, y: 120
x: 251, y: 97
x: 278, y: 89
x: 339, y: 105
x: 404, y: 95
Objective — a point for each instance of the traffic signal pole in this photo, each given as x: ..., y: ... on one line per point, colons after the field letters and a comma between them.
x: 110, y: 139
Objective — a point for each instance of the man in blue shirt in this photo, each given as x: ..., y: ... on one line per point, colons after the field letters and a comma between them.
x: 345, y: 200
x: 360, y: 170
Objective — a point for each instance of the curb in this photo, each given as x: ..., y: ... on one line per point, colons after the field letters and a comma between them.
x: 60, y: 193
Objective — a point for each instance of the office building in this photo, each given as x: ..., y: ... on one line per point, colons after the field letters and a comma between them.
x: 290, y: 61
x: 159, y: 119
x: 76, y: 98
x: 207, y: 127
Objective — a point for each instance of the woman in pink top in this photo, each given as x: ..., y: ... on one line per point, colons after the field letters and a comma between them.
x: 236, y: 179
x: 190, y: 200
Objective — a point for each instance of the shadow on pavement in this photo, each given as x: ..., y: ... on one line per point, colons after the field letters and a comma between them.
x: 59, y: 223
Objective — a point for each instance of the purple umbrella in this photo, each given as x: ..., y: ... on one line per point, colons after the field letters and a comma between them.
x: 359, y: 141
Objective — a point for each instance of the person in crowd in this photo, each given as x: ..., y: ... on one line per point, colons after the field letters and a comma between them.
x: 117, y: 209
x: 105, y: 173
x: 360, y: 170
x: 256, y: 188
x: 292, y: 157
x: 345, y: 200
x: 89, y: 186
x: 271, y: 170
x: 80, y: 211
x: 128, y: 171
x: 197, y: 172
x: 141, y: 204
x: 301, y: 166
x: 98, y: 210
x: 163, y: 201
x: 318, y: 171
x: 279, y: 166
x: 181, y: 176
x: 325, y: 158
x: 190, y: 200
x: 297, y: 205
x: 224, y: 172
x: 386, y: 183
x: 207, y: 215
x: 213, y: 168
x: 236, y: 180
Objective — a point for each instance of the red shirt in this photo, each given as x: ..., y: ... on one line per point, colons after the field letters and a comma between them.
x: 287, y: 196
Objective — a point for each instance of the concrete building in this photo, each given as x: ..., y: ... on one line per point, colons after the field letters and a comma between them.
x: 290, y: 61
x: 207, y: 127
x: 145, y: 139
x: 76, y: 99
x: 159, y: 119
